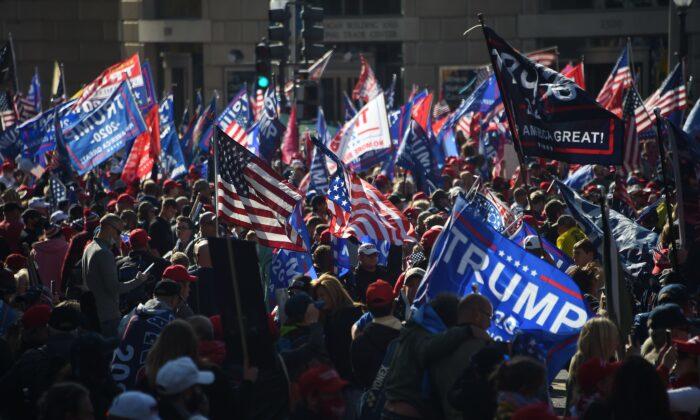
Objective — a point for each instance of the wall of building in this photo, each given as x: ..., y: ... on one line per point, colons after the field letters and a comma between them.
x: 84, y: 34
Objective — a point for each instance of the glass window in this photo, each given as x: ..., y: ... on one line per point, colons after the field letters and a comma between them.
x: 383, y: 7
x: 177, y: 9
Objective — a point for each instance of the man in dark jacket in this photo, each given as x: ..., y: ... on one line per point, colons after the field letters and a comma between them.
x: 475, y: 312
x: 160, y: 229
x: 367, y: 271
x: 368, y: 349
x: 139, y: 259
x: 203, y: 298
x: 301, y: 337
x: 429, y: 336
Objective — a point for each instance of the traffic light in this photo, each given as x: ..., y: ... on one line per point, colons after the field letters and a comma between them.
x: 263, y: 66
x: 311, y: 33
x: 278, y: 32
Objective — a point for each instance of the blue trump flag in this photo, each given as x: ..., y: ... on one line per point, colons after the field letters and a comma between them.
x: 692, y: 123
x: 104, y: 131
x: 349, y: 110
x: 529, y: 296
x: 580, y: 177
x: 288, y: 264
x: 554, y: 118
x: 416, y: 155
x: 634, y: 243
x: 172, y: 160
x: 269, y: 126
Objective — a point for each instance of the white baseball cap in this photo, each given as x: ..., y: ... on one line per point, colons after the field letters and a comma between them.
x: 134, y: 405
x: 532, y: 242
x: 58, y: 217
x: 38, y: 203
x: 180, y: 374
x: 367, y: 248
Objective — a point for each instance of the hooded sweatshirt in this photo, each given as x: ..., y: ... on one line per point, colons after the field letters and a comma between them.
x: 49, y: 256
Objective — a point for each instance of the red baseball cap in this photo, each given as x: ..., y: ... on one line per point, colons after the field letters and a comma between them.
x: 419, y: 196
x: 379, y: 293
x: 320, y: 378
x: 36, y: 316
x: 429, y: 238
x: 594, y: 370
x: 139, y: 238
x: 171, y: 184
x: 179, y: 274
x: 16, y: 262
x: 125, y: 199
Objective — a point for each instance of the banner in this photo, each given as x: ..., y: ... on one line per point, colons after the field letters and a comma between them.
x: 416, y: 155
x: 109, y: 81
x: 529, y: 296
x: 367, y: 131
x: 104, y: 131
x: 554, y: 117
x: 172, y: 161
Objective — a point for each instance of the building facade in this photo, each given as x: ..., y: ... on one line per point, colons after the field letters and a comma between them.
x: 209, y: 44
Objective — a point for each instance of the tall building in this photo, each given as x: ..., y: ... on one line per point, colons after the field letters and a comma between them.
x: 210, y: 43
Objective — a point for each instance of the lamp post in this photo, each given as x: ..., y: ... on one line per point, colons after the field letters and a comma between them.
x: 682, y: 6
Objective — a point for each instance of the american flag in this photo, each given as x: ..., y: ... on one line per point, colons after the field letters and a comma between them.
x: 252, y: 195
x: 8, y: 114
x: 360, y: 210
x: 58, y: 192
x: 316, y: 70
x: 670, y: 97
x: 620, y: 80
x: 440, y: 109
x: 258, y: 105
x: 29, y: 106
x: 632, y: 147
x: 546, y: 56
x: 237, y: 117
x: 367, y: 86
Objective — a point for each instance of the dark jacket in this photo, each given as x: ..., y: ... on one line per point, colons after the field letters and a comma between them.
x: 367, y: 352
x: 363, y: 278
x: 300, y: 345
x: 337, y: 328
x: 33, y: 373
x: 417, y: 350
x: 161, y: 234
x: 127, y: 268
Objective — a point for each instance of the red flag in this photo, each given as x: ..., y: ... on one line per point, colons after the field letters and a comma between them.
x: 139, y: 164
x: 576, y: 74
x: 367, y: 86
x: 421, y: 110
x: 290, y: 142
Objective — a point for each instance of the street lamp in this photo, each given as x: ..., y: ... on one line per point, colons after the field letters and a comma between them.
x: 682, y: 6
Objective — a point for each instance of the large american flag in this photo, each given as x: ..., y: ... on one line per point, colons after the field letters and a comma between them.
x: 620, y: 79
x: 360, y: 210
x: 669, y: 97
x: 367, y: 86
x: 546, y: 56
x: 252, y: 195
x: 632, y: 147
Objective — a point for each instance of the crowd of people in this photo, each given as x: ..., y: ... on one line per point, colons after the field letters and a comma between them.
x: 108, y: 309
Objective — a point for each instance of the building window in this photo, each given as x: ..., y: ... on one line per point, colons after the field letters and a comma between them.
x: 359, y: 7
x: 173, y: 9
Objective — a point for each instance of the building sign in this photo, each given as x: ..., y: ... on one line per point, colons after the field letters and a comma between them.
x: 370, y: 29
x: 454, y: 79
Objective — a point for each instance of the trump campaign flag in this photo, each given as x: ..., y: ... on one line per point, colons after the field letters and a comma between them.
x: 139, y: 163
x: 172, y: 161
x: 367, y: 131
x: 104, y: 131
x: 270, y: 129
x: 550, y: 115
x: 367, y: 86
x: 416, y: 155
x: 236, y: 118
x: 529, y: 296
x: 575, y: 73
x: 288, y: 264
x: 109, y: 80
x: 559, y: 257
x: 686, y: 160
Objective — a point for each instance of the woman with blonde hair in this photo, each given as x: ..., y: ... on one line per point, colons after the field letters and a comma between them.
x: 177, y: 339
x: 599, y: 338
x: 339, y: 313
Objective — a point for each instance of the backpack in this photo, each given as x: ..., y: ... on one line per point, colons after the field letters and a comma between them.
x: 372, y: 400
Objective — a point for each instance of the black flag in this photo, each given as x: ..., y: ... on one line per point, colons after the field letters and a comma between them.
x: 552, y: 116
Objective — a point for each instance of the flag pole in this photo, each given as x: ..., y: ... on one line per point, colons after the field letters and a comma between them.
x: 14, y: 61
x: 511, y: 125
x: 667, y: 192
x: 215, y: 150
